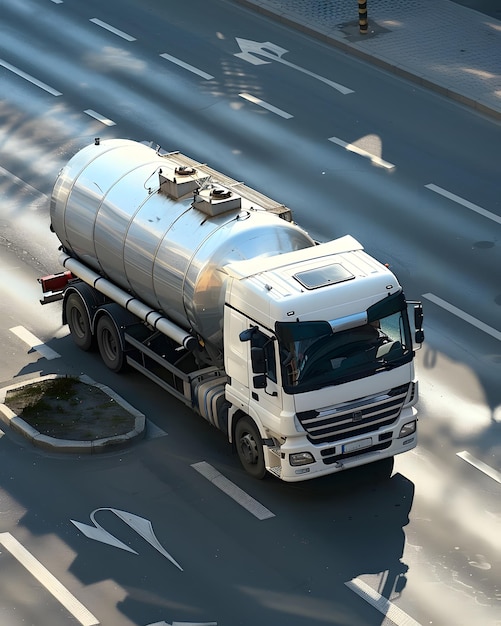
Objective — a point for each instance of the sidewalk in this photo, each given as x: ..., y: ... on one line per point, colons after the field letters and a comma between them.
x: 438, y: 44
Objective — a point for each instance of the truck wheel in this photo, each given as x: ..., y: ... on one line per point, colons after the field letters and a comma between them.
x: 250, y: 447
x: 110, y: 346
x: 78, y: 322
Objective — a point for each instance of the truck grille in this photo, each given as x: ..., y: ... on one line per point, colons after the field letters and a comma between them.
x: 354, y: 418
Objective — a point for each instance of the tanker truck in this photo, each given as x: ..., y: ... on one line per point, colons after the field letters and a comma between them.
x: 300, y: 352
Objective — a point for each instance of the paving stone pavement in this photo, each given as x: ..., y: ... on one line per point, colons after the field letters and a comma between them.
x: 439, y: 44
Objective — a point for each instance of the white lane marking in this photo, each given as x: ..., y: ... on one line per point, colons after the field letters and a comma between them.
x: 480, y: 465
x: 379, y: 602
x: 20, y: 182
x: 52, y: 584
x: 352, y: 148
x: 268, y: 50
x: 464, y: 316
x: 265, y: 105
x: 34, y: 342
x: 141, y: 525
x: 112, y: 29
x: 187, y: 66
x: 230, y: 489
x: 29, y: 78
x: 99, y: 117
x: 465, y: 203
x: 163, y: 623
x: 57, y: 1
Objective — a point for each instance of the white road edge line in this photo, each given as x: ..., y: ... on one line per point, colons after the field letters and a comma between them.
x: 352, y: 148
x: 50, y: 582
x: 480, y: 465
x: 265, y: 105
x: 187, y: 66
x: 34, y: 342
x: 112, y: 29
x: 230, y: 489
x: 99, y: 117
x: 465, y: 203
x: 379, y: 602
x: 464, y: 316
x: 29, y: 78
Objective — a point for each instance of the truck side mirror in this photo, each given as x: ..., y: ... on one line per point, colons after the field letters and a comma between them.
x: 247, y: 334
x: 260, y: 381
x: 418, y: 316
x: 258, y: 361
x: 418, y: 323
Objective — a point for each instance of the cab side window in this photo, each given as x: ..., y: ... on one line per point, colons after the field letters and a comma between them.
x: 267, y: 344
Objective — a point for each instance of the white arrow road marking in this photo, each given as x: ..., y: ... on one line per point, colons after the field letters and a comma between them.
x: 141, y: 525
x: 52, y: 584
x: 271, y: 51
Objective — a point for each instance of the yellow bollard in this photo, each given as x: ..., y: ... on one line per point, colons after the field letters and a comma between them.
x: 363, y: 22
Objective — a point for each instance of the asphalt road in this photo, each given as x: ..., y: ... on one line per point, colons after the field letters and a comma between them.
x: 437, y: 522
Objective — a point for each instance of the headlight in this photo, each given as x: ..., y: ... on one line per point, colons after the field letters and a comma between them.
x: 301, y: 458
x: 407, y: 429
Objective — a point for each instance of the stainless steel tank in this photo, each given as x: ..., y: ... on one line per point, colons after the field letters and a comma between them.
x: 109, y: 210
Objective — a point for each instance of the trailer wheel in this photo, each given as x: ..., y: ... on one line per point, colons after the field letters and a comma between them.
x: 250, y: 447
x: 110, y: 345
x: 78, y: 321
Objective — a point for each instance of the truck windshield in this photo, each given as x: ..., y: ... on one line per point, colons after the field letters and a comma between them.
x: 312, y: 356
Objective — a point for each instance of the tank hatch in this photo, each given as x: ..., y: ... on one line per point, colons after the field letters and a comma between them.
x: 179, y: 181
x: 215, y: 199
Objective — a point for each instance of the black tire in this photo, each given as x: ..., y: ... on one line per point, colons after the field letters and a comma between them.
x: 78, y: 321
x: 110, y: 344
x: 250, y: 447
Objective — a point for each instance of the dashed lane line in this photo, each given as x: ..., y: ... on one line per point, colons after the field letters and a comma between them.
x: 99, y: 117
x: 29, y: 78
x: 34, y: 343
x: 265, y: 105
x: 187, y: 66
x: 480, y: 465
x: 230, y: 489
x: 392, y: 613
x: 464, y: 316
x: 357, y: 150
x: 463, y: 202
x: 50, y: 582
x: 112, y: 29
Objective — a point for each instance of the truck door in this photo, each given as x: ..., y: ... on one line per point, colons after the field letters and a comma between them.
x: 265, y: 390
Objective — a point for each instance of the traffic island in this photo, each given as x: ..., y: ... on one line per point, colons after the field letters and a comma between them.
x: 70, y: 414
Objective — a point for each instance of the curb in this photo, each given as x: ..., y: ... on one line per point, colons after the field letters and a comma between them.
x: 70, y: 445
x: 324, y: 35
